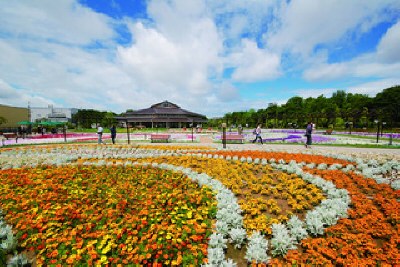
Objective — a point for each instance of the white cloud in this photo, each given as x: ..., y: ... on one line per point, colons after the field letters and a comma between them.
x: 372, y: 88
x: 39, y: 59
x: 164, y: 62
x: 61, y: 21
x: 177, y: 18
x: 19, y: 97
x: 326, y: 72
x: 383, y: 64
x: 254, y: 64
x: 302, y: 25
x: 238, y: 18
x: 388, y: 50
x: 7, y: 92
x: 314, y: 93
x: 176, y: 55
x: 227, y: 92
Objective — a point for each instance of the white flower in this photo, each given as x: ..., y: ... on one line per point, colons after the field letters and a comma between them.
x: 296, y: 228
x: 322, y: 166
x: 281, y: 240
x: 314, y: 223
x: 18, y: 260
x: 215, y: 256
x: 217, y: 241
x: 257, y: 249
x: 237, y: 236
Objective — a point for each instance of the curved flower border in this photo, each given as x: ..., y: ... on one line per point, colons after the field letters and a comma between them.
x: 218, y: 242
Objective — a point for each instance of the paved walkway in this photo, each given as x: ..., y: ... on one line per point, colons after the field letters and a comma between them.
x: 206, y: 139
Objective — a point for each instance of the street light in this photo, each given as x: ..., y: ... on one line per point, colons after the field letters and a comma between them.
x: 65, y: 132
x: 223, y: 135
x: 191, y: 126
x: 127, y: 131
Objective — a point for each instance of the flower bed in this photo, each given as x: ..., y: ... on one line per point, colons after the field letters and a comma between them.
x: 181, y: 205
x: 102, y: 215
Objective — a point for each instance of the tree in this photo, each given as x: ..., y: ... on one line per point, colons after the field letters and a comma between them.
x: 294, y: 110
x: 339, y: 98
x: 109, y: 119
x: 388, y: 101
x: 86, y: 117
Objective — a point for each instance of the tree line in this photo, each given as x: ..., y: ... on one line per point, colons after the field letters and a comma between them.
x: 85, y: 118
x: 342, y: 110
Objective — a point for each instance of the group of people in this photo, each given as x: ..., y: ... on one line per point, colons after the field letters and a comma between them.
x: 257, y: 132
x: 113, y: 131
x: 308, y: 133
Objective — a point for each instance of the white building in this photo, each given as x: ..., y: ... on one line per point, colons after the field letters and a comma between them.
x: 51, y: 114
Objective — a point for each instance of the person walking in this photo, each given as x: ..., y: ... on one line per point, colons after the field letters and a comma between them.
x: 257, y: 132
x: 100, y: 134
x: 113, y: 131
x: 309, y: 130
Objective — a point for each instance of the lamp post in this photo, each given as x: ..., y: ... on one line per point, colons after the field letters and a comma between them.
x: 191, y: 126
x: 127, y: 131
x: 223, y: 135
x: 65, y: 132
x: 29, y: 117
x: 377, y: 132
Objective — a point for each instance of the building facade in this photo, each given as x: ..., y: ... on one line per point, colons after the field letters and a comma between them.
x: 13, y: 115
x: 51, y: 114
x: 162, y: 115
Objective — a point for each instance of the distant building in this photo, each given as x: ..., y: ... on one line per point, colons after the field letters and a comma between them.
x: 52, y: 114
x: 13, y: 115
x: 162, y: 115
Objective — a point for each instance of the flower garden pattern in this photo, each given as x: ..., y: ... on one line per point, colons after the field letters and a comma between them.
x: 88, y: 205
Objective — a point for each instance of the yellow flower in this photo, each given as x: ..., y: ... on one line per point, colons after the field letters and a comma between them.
x: 103, y: 259
x: 106, y: 249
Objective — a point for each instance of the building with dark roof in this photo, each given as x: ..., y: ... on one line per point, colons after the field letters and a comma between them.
x: 162, y: 115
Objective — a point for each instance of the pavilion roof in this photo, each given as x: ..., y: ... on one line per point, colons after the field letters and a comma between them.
x: 165, y: 107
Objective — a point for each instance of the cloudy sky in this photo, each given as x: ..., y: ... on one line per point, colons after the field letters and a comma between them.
x: 207, y: 56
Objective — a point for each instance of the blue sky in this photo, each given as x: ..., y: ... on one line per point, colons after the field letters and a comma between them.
x: 207, y: 56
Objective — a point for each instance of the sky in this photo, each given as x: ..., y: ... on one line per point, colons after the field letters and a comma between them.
x: 207, y: 56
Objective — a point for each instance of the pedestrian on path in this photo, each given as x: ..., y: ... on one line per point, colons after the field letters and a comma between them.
x: 309, y: 130
x: 113, y: 131
x: 257, y: 132
x: 100, y: 134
